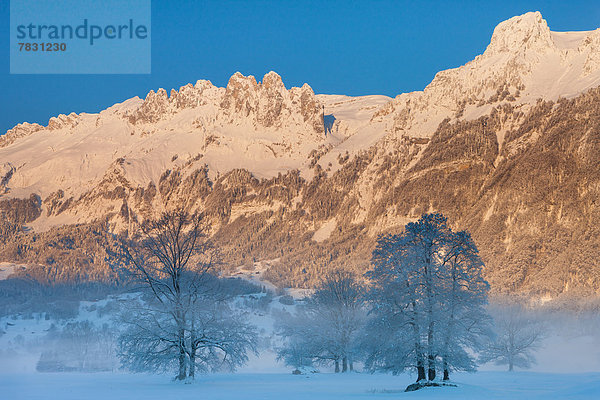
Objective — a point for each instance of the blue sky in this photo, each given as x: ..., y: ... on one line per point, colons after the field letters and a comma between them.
x: 342, y: 47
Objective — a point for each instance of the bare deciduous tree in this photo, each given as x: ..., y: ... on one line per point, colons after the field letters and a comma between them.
x: 185, y: 317
x: 325, y: 330
x: 518, y: 336
x: 427, y: 295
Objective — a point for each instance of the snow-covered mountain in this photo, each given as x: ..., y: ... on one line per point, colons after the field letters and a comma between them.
x: 524, y: 62
x: 245, y: 125
x: 505, y: 145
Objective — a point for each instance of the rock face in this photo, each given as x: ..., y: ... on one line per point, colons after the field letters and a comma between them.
x: 506, y: 146
x: 269, y: 104
x: 246, y: 102
x: 21, y: 130
x: 524, y: 61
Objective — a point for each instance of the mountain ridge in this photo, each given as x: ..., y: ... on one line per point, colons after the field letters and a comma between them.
x: 503, y: 145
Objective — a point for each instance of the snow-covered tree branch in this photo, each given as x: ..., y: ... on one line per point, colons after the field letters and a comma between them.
x: 184, y: 321
x: 518, y: 336
x: 427, y: 297
x: 326, y: 329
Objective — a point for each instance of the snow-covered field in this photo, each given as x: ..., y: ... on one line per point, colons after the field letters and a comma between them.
x: 553, y: 377
x: 568, y: 367
x: 482, y: 385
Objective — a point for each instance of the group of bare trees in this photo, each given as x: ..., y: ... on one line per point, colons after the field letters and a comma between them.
x: 422, y: 306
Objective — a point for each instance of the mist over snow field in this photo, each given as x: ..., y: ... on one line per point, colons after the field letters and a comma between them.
x: 564, y: 370
x: 568, y: 362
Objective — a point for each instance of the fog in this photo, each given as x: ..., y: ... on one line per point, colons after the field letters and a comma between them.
x: 79, y: 332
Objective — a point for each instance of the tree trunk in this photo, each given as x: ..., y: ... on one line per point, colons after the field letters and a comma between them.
x: 351, y: 363
x: 430, y: 356
x: 446, y: 368
x: 431, y: 369
x: 430, y: 317
x: 337, y: 366
x: 182, y: 357
x: 418, y: 351
x: 450, y: 329
x: 420, y: 373
x: 192, y: 369
x: 345, y: 364
x: 182, y: 369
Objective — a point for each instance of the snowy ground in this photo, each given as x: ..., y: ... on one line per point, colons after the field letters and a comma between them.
x: 483, y: 385
x: 573, y: 346
x: 6, y: 269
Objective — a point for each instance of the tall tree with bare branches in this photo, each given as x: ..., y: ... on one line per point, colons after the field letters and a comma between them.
x: 428, y: 296
x: 325, y: 330
x: 185, y: 317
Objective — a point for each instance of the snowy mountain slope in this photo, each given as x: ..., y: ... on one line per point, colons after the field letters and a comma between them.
x: 352, y: 114
x: 505, y: 146
x: 262, y: 127
x: 266, y: 129
x: 524, y: 62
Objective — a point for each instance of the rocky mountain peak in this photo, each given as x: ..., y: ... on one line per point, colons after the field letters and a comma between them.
x: 158, y: 104
x: 62, y: 121
x: 269, y: 104
x: 190, y: 96
x: 153, y: 108
x: 272, y: 82
x: 523, y: 32
x: 240, y: 93
x: 19, y: 131
x: 524, y: 62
